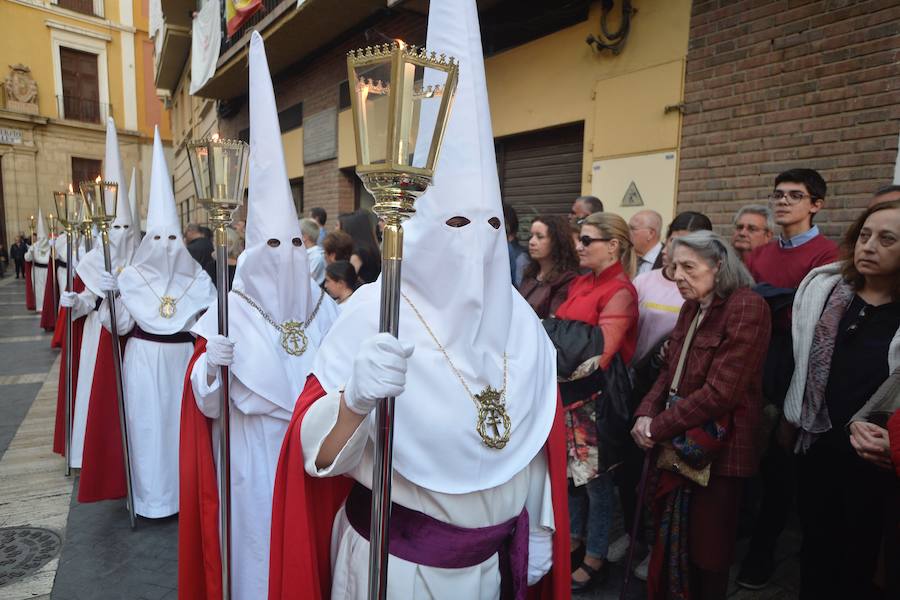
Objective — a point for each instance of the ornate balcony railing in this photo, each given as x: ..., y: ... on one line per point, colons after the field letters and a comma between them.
x: 82, y: 109
x: 267, y: 7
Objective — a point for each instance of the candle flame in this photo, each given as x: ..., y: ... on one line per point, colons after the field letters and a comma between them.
x: 215, y: 137
x: 400, y: 43
x: 98, y: 180
x: 71, y: 191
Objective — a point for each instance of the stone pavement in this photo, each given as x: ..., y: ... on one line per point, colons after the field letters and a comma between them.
x: 101, y: 558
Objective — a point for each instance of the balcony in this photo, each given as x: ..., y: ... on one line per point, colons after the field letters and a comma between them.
x: 82, y: 109
x: 83, y: 6
x: 292, y: 30
x: 173, y: 43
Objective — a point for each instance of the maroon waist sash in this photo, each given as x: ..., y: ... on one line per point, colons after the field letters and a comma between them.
x: 423, y: 540
x: 182, y: 337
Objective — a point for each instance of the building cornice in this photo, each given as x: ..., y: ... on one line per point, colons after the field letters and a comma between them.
x: 75, y: 16
x: 60, y: 26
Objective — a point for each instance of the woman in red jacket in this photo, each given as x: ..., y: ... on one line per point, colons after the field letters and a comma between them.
x: 605, y: 298
x: 719, y: 392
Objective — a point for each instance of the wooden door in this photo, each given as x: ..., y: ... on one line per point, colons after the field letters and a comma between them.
x: 85, y: 169
x: 81, y: 85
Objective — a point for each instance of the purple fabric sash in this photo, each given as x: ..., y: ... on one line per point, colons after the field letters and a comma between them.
x: 182, y: 337
x: 420, y: 539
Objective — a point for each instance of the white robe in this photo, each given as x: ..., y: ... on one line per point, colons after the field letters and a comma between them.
x: 38, y: 275
x: 257, y: 433
x: 529, y: 488
x: 154, y: 381
x: 90, y: 341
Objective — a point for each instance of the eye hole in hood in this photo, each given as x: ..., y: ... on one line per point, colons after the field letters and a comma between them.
x: 495, y: 222
x: 458, y: 221
x: 273, y: 242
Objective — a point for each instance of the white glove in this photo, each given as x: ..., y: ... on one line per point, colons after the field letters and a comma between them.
x: 107, y: 282
x: 379, y: 371
x: 540, y: 554
x: 68, y: 299
x: 219, y: 353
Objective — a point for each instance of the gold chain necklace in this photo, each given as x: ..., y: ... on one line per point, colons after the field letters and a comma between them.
x: 493, y: 424
x: 167, y: 304
x: 293, y: 333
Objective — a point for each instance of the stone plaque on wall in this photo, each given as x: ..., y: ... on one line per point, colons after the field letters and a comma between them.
x: 320, y: 135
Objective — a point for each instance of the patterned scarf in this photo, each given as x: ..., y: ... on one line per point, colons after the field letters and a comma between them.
x: 814, y: 419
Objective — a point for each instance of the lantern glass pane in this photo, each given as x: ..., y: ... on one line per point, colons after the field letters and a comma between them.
x: 373, y: 96
x: 423, y: 89
x: 198, y: 155
x: 110, y: 197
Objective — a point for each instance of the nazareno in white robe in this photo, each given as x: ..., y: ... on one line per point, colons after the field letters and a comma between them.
x: 90, y: 341
x: 530, y: 488
x: 39, y: 256
x: 153, y: 374
x: 258, y: 425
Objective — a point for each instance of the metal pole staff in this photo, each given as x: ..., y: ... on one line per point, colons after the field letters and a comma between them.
x: 389, y: 321
x: 225, y: 409
x: 120, y: 382
x: 218, y: 168
x: 103, y: 213
x: 69, y: 375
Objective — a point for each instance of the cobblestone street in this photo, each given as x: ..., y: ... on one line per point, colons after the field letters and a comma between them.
x: 101, y: 558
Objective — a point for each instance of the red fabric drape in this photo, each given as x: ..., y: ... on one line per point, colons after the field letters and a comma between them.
x: 893, y: 427
x: 103, y: 462
x: 199, y: 564
x: 304, y: 507
x: 50, y: 302
x: 59, y: 341
x: 30, y: 303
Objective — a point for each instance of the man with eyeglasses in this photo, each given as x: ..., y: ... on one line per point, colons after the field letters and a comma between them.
x: 782, y: 264
x: 583, y: 207
x: 754, y: 226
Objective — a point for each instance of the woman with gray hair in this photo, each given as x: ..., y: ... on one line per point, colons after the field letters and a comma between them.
x: 703, y: 413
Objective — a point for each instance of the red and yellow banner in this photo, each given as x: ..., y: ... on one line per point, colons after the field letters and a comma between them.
x: 238, y: 11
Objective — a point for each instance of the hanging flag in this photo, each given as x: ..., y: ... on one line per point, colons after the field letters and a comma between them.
x: 238, y: 11
x: 206, y: 38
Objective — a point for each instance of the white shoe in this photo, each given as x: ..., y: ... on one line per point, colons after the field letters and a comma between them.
x: 618, y: 549
x: 643, y: 569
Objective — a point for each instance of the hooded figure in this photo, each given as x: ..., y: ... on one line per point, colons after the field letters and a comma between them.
x: 465, y: 335
x: 92, y: 272
x: 278, y: 316
x: 39, y: 254
x: 163, y: 292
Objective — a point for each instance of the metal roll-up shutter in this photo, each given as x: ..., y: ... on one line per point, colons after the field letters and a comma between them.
x: 540, y: 173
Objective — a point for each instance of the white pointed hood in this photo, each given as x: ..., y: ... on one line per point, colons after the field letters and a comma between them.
x: 275, y: 276
x: 40, y: 250
x: 122, y: 232
x: 133, y: 206
x: 162, y: 265
x: 458, y: 278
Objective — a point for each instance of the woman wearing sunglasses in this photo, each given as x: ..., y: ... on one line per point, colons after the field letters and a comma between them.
x: 603, y: 298
x: 846, y: 330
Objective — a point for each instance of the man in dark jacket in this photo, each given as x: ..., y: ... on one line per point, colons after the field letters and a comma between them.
x: 17, y: 254
x: 199, y: 245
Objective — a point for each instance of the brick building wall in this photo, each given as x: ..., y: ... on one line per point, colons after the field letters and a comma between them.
x: 315, y: 82
x: 771, y: 85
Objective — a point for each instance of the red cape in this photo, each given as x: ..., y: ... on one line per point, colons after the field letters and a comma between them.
x: 50, y: 302
x: 30, y: 303
x: 103, y: 462
x: 893, y: 427
x: 199, y: 563
x: 59, y: 432
x: 303, y: 511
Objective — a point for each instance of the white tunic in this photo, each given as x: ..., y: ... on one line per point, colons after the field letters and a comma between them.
x: 529, y: 488
x: 258, y: 426
x: 38, y: 274
x: 90, y: 341
x: 154, y: 380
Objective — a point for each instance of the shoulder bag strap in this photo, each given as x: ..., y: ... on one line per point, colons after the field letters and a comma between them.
x: 676, y: 381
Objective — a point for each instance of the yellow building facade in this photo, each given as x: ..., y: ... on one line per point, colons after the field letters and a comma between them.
x: 72, y: 63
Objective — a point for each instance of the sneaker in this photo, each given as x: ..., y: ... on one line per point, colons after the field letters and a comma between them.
x: 755, y: 574
x: 643, y: 569
x: 618, y: 549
